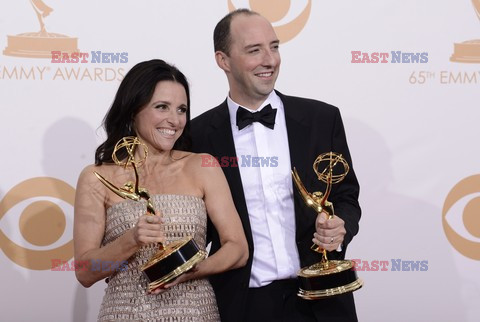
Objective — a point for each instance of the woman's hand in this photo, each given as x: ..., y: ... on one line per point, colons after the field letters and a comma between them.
x: 148, y: 230
x: 182, y: 278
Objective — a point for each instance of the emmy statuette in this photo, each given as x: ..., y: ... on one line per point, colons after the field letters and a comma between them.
x: 468, y: 51
x: 328, y: 277
x: 40, y: 44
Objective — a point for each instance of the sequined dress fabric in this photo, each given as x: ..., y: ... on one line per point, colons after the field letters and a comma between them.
x: 126, y: 297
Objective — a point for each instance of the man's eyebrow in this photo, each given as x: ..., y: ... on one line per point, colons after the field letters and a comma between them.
x: 275, y: 42
x: 252, y: 45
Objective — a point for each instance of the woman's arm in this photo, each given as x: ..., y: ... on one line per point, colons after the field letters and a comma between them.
x: 221, y: 210
x: 233, y: 252
x: 89, y: 229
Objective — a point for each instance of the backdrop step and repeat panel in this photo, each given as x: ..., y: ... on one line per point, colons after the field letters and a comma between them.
x: 405, y: 74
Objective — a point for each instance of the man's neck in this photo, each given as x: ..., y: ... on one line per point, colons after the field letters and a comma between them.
x: 248, y: 102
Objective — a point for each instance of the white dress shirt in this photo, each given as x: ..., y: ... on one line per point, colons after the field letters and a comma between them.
x: 264, y: 165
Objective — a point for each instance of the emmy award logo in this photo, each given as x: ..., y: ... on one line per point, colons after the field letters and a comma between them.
x: 328, y: 277
x: 172, y: 260
x: 468, y: 51
x: 39, y: 44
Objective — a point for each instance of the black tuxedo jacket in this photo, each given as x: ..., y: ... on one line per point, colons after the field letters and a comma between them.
x: 313, y: 128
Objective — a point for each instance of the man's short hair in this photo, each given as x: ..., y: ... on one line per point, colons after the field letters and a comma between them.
x: 221, y: 35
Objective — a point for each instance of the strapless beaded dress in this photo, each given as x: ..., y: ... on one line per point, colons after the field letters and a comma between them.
x: 126, y: 297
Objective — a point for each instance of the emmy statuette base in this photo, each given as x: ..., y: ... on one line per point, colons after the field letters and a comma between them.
x: 467, y: 52
x: 327, y: 279
x: 172, y: 261
x: 39, y: 45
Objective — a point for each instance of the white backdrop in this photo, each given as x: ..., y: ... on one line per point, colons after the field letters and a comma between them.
x: 412, y: 130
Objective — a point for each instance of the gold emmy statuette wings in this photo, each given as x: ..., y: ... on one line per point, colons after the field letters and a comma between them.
x: 476, y: 4
x: 312, y: 200
x: 122, y: 193
x: 41, y: 7
x: 128, y: 191
x: 316, y: 200
x: 42, y: 10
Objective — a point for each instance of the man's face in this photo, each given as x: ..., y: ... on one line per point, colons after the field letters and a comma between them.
x: 253, y: 63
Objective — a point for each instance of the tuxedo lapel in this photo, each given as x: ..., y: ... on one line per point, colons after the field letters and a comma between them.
x: 220, y: 134
x: 299, y: 131
x: 298, y: 134
x: 221, y: 139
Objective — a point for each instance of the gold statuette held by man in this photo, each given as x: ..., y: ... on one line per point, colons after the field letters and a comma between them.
x: 328, y: 277
x: 171, y: 260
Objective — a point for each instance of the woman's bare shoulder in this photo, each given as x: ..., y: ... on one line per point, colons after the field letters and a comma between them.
x: 201, y: 162
x: 88, y: 173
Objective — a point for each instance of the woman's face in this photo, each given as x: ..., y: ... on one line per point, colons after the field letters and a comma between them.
x: 161, y: 122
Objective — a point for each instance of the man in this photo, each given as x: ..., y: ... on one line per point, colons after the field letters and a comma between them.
x: 278, y: 225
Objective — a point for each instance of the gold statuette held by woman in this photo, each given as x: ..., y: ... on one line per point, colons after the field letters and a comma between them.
x: 328, y: 277
x: 171, y: 260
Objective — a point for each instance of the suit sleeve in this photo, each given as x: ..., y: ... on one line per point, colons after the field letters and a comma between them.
x: 345, y: 194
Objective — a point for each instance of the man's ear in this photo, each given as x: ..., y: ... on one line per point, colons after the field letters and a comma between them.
x: 222, y: 60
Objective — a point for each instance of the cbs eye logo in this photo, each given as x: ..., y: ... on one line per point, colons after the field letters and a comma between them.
x: 41, y: 203
x: 276, y: 11
x: 464, y: 197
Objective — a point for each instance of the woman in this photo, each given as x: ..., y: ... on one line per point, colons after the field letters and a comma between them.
x: 153, y: 104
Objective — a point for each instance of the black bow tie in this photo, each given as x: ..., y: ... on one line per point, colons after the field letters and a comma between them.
x: 266, y: 116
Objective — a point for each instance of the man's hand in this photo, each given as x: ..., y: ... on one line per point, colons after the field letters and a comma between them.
x: 329, y: 232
